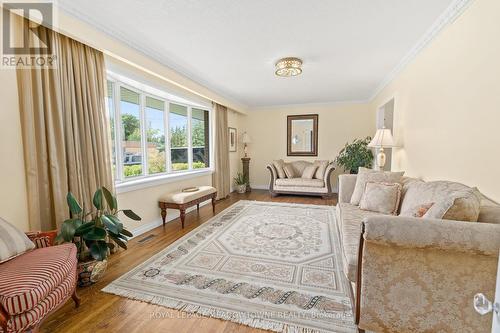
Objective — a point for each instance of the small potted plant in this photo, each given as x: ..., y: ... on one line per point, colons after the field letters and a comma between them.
x: 95, y: 233
x: 240, y: 182
x: 355, y: 155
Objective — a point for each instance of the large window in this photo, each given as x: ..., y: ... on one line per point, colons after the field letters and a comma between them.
x: 199, y: 130
x: 156, y: 136
x: 179, y: 145
x: 131, y: 132
x: 155, y: 132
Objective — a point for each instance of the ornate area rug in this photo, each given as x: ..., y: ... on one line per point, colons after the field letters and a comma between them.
x: 274, y: 266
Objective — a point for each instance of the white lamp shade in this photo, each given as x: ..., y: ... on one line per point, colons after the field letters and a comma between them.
x: 383, y: 139
x: 246, y: 138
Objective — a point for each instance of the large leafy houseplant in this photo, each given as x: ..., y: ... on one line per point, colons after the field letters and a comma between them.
x: 355, y: 155
x: 93, y: 230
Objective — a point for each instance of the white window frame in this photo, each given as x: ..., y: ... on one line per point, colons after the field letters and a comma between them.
x: 125, y: 184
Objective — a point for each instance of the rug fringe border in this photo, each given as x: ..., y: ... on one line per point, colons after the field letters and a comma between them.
x: 207, y: 311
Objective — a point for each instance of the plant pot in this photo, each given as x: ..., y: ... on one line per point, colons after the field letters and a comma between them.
x: 89, y: 272
x: 241, y: 188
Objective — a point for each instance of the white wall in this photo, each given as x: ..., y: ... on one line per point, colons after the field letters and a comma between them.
x: 337, y: 124
x: 447, y: 104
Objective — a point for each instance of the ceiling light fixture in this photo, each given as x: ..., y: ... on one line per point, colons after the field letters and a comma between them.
x: 288, y: 67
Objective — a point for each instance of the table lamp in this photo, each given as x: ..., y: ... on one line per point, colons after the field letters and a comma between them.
x: 246, y: 140
x: 382, y: 139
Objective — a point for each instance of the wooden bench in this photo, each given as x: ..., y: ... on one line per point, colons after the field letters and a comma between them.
x: 184, y: 200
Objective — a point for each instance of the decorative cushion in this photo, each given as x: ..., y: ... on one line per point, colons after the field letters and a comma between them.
x: 278, y: 164
x: 309, y: 172
x: 489, y: 214
x: 20, y: 322
x: 300, y: 182
x: 183, y: 197
x: 419, y: 210
x: 27, y: 280
x: 367, y: 175
x: 381, y: 197
x: 13, y: 242
x: 320, y: 172
x: 452, y: 201
x: 41, y: 242
x: 289, y: 171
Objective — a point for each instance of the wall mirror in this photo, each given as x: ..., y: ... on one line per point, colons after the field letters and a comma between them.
x: 302, y: 135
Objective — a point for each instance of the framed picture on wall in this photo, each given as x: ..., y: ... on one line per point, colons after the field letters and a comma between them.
x: 232, y: 139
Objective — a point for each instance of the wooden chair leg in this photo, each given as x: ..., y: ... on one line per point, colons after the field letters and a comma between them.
x: 75, y: 298
x: 213, y: 204
x: 198, y: 207
x: 163, y: 215
x: 4, y: 318
x: 183, y: 216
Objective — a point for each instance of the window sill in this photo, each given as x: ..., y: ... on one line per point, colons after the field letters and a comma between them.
x: 151, y: 181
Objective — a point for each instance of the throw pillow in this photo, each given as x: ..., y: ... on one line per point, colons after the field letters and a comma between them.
x: 367, y: 175
x: 309, y: 172
x: 419, y: 210
x: 278, y: 164
x: 452, y: 201
x: 289, y: 171
x: 13, y: 242
x: 320, y: 172
x: 381, y: 197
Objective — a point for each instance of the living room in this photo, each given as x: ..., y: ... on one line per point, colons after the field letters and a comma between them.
x: 360, y: 135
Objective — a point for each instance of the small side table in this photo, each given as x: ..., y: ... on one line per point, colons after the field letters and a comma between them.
x: 246, y: 171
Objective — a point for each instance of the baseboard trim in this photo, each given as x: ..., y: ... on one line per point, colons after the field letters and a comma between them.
x: 260, y: 187
x: 172, y: 214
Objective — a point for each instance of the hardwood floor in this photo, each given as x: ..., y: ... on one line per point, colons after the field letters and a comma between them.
x: 101, y: 312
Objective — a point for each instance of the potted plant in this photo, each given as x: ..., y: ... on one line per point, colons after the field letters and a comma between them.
x: 355, y: 155
x: 240, y: 182
x: 95, y: 233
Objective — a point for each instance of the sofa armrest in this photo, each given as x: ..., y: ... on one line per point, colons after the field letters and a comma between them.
x: 346, y: 187
x: 327, y: 178
x: 410, y: 232
x: 409, y: 268
x: 274, y: 176
x: 42, y: 239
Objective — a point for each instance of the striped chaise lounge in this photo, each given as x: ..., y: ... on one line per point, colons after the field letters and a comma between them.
x: 36, y: 283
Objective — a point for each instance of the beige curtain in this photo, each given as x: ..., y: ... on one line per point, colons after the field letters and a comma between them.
x: 221, y: 178
x: 65, y: 130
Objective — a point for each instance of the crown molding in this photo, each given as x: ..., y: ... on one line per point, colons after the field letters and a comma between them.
x: 302, y: 105
x: 453, y: 12
x: 146, y: 51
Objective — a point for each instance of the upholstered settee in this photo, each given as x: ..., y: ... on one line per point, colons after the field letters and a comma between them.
x: 418, y: 274
x: 319, y: 185
x: 36, y: 283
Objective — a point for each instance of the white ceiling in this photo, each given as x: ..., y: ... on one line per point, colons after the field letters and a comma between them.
x: 349, y: 47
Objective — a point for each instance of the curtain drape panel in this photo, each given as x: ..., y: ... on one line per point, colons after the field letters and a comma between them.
x: 65, y: 130
x: 221, y: 176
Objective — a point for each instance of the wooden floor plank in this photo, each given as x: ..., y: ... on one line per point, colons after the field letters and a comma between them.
x: 102, y: 312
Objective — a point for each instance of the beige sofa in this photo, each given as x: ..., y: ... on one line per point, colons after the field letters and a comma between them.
x: 301, y: 186
x: 417, y: 274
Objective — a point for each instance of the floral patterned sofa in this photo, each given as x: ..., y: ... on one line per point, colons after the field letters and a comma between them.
x: 418, y: 274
